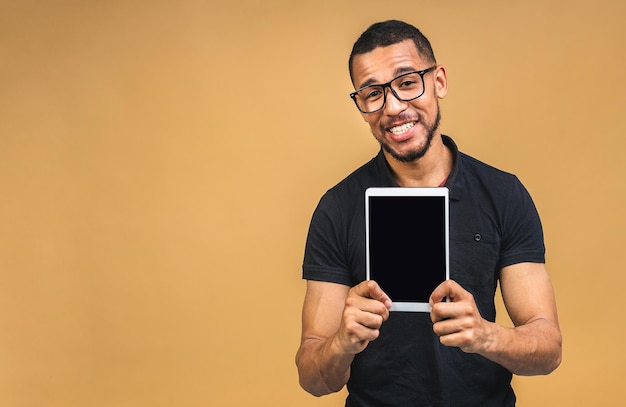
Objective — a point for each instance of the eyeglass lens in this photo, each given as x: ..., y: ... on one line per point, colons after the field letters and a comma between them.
x: 405, y: 87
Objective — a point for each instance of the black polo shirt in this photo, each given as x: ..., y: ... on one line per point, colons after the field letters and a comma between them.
x: 493, y: 224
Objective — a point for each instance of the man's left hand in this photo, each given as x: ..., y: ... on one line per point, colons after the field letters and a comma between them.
x: 457, y: 320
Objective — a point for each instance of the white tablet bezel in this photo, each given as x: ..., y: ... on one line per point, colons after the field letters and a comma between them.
x: 408, y: 192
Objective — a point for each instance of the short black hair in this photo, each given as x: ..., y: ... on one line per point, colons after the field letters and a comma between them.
x: 386, y: 33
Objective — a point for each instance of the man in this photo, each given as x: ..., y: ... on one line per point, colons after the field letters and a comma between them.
x: 456, y: 355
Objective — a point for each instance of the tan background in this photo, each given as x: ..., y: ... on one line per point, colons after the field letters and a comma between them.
x: 159, y: 163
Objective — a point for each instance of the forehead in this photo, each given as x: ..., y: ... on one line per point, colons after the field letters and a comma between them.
x: 382, y: 64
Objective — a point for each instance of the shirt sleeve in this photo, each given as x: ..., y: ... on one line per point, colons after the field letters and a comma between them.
x: 325, y: 256
x: 522, y: 239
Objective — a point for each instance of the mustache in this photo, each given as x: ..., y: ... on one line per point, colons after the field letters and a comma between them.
x: 401, y: 118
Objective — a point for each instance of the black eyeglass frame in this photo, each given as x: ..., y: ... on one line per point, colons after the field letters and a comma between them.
x: 421, y: 73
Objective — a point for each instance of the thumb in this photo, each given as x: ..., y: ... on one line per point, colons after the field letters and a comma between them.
x: 371, y: 289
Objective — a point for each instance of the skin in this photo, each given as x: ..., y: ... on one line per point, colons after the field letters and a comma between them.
x: 435, y: 160
x: 338, y: 322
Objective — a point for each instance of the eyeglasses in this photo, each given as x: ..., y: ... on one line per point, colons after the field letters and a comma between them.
x: 406, y: 87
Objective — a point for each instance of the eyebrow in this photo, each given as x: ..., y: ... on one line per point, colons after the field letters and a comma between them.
x: 397, y: 72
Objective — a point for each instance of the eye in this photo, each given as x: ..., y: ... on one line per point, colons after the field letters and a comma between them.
x: 407, y: 82
x: 372, y: 93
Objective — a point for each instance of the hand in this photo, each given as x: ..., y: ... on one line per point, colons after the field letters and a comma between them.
x: 457, y: 321
x: 366, y: 308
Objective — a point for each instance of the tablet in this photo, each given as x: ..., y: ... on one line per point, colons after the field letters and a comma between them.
x: 407, y: 243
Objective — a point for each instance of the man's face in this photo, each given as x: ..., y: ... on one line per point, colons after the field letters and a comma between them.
x: 404, y: 129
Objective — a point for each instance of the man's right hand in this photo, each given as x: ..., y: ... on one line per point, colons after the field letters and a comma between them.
x: 337, y: 323
x: 366, y: 308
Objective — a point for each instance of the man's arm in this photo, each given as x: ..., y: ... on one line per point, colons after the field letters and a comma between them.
x: 532, y: 347
x: 337, y: 323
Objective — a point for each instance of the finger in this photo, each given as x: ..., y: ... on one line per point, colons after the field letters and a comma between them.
x: 358, y: 323
x: 457, y: 333
x: 449, y: 290
x: 446, y: 327
x: 360, y: 305
x: 363, y: 334
x: 361, y: 326
x: 354, y: 337
x: 460, y: 339
x: 442, y: 291
x: 371, y: 289
x: 449, y: 310
x: 372, y: 321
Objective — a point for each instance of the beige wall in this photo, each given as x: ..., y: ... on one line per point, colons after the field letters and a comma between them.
x: 159, y: 163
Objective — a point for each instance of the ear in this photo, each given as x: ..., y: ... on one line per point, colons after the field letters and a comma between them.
x: 441, y: 82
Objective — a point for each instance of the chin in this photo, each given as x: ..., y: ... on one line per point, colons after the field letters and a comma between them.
x: 410, y: 155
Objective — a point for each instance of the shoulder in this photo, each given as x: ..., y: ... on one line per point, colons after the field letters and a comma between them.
x: 473, y: 176
x: 489, y: 187
x: 497, y: 184
x: 479, y: 169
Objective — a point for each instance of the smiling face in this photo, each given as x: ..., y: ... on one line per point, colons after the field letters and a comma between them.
x: 405, y: 130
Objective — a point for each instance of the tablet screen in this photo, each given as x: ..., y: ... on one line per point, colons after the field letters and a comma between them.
x: 407, y: 237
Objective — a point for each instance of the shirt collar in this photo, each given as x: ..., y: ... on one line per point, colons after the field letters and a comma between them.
x: 453, y: 182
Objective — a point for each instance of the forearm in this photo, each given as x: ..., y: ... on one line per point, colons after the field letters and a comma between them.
x: 322, y: 368
x: 527, y: 350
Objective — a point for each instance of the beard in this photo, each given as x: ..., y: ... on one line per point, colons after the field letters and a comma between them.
x: 416, y: 154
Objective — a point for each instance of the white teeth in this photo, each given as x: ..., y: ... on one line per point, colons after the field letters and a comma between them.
x: 401, y: 129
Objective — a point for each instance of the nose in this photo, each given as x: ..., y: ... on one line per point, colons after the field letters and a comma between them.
x: 393, y: 105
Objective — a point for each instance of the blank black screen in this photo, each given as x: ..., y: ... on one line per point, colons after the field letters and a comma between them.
x: 407, y: 245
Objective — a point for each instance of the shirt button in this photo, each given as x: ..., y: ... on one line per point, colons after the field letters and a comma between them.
x: 477, y: 237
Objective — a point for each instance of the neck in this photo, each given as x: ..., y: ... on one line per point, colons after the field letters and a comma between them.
x: 428, y: 171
